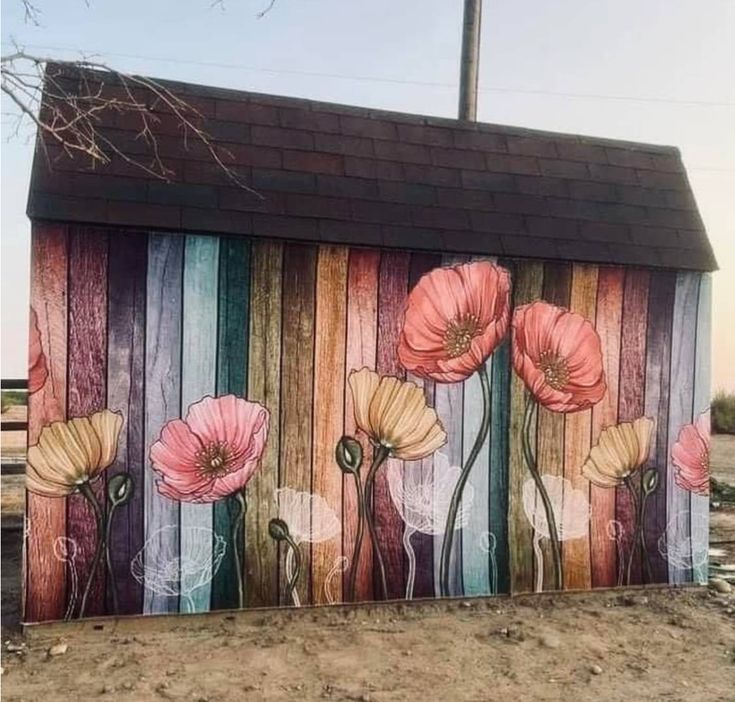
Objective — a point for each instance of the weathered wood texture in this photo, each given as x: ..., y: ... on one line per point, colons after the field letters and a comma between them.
x: 86, y: 388
x: 45, y: 589
x: 264, y: 386
x: 127, y: 265
x: 329, y: 408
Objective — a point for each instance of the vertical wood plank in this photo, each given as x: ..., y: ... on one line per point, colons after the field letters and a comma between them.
x: 86, y: 385
x: 550, y: 430
x: 232, y: 369
x: 45, y: 577
x: 577, y: 437
x: 449, y: 404
x: 362, y: 339
x: 603, y: 549
x: 297, y: 384
x: 499, y: 459
x: 264, y: 378
x: 681, y: 412
x: 162, y: 401
x: 528, y: 287
x: 475, y: 561
x: 198, y: 379
x: 329, y: 405
x: 699, y: 508
x: 423, y: 544
x: 658, y: 364
x: 127, y: 266
x: 631, y: 390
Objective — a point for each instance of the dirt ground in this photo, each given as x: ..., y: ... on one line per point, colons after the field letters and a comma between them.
x: 637, y: 645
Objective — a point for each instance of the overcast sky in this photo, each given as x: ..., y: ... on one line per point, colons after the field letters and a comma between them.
x: 660, y: 71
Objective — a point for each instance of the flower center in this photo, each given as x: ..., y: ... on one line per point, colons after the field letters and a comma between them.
x: 214, y: 460
x: 459, y: 334
x: 555, y: 369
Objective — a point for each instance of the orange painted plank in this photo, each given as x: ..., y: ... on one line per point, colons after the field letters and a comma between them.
x: 45, y: 577
x: 362, y: 339
x: 264, y: 377
x: 577, y: 438
x: 603, y: 549
x: 329, y: 406
x: 297, y: 387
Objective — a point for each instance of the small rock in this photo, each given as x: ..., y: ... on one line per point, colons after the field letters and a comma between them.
x: 465, y: 604
x: 11, y: 647
x: 550, y: 642
x: 58, y: 649
x: 595, y: 669
x: 2, y: 670
x: 128, y: 686
x: 720, y: 585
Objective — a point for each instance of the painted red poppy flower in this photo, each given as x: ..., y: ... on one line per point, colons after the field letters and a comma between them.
x: 37, y: 369
x: 690, y: 455
x: 213, y: 452
x: 558, y: 355
x: 455, y: 318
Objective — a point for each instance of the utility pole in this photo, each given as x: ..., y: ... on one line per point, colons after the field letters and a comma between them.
x: 469, y: 71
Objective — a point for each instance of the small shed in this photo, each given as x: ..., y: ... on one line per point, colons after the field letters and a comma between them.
x: 419, y: 357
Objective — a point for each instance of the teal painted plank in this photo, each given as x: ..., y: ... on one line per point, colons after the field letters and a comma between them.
x: 198, y: 379
x: 681, y: 402
x: 497, y: 544
x: 162, y: 403
x: 702, y: 394
x: 476, y: 503
x: 232, y: 373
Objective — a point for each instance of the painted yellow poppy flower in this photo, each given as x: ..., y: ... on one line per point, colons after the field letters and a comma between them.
x: 71, y: 453
x: 620, y: 451
x: 394, y: 414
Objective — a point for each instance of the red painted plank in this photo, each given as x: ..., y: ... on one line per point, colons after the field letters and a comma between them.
x: 632, y: 389
x: 603, y: 549
x: 45, y: 577
x: 362, y: 332
x: 392, y: 293
x: 86, y: 383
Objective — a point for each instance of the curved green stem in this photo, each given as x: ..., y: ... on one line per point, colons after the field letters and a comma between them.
x: 642, y: 539
x: 634, y: 540
x: 408, y: 532
x: 242, y: 509
x: 530, y: 459
x: 446, y: 552
x: 294, y: 577
x: 358, y: 536
x: 86, y: 490
x: 108, y: 559
x: 381, y: 453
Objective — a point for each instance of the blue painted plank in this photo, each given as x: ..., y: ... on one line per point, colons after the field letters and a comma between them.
x: 198, y: 379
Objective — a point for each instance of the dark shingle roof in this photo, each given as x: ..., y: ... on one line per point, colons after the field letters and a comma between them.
x: 335, y: 173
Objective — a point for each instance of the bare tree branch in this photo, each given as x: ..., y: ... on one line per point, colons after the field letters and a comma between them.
x: 264, y: 12
x: 71, y: 108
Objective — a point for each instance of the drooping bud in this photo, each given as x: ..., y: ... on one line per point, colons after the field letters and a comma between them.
x: 278, y: 529
x: 348, y: 454
x: 650, y: 481
x: 120, y: 489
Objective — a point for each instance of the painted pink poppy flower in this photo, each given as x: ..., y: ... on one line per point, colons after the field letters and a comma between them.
x: 37, y: 369
x: 690, y: 455
x: 455, y: 318
x: 213, y: 452
x: 558, y: 355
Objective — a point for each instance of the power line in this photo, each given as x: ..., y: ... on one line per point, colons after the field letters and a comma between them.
x: 395, y: 81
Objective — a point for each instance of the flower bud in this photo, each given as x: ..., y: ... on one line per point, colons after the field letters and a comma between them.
x: 348, y: 454
x: 120, y: 489
x: 650, y: 481
x: 278, y: 529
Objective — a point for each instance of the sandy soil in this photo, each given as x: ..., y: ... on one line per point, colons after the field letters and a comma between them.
x: 639, y: 645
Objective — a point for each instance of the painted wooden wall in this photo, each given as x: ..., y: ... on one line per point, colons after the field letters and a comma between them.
x: 146, y: 324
